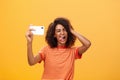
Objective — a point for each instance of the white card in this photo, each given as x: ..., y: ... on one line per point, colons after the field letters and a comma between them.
x: 37, y: 30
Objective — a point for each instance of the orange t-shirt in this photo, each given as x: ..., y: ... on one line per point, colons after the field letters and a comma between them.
x: 59, y: 62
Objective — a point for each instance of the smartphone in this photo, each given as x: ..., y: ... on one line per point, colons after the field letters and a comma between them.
x: 37, y: 30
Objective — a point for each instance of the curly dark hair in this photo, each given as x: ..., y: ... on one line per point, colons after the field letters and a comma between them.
x: 51, y: 40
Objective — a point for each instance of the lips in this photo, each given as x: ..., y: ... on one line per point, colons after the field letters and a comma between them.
x: 62, y: 38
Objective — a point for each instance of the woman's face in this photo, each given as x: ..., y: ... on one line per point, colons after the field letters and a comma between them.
x: 61, y: 35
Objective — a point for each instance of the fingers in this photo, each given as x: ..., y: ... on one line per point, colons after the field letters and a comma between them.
x: 29, y: 33
x: 29, y: 36
x: 31, y: 29
x: 71, y: 30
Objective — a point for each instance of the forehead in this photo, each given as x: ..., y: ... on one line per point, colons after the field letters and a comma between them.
x: 59, y: 26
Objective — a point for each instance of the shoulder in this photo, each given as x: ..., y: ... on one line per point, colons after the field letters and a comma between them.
x: 44, y: 48
x: 47, y: 48
x: 73, y: 48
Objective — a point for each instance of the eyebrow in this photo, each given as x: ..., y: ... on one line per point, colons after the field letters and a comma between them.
x: 60, y: 28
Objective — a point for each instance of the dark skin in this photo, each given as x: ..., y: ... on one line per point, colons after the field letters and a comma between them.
x: 59, y: 31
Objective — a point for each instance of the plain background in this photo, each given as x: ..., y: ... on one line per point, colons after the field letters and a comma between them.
x: 98, y: 20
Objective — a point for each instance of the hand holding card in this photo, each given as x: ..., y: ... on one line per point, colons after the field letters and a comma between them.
x: 37, y: 30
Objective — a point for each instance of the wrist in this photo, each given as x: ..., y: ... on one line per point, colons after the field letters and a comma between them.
x: 29, y: 43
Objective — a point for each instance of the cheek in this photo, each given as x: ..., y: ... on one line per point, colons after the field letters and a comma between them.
x: 66, y: 33
x: 56, y: 35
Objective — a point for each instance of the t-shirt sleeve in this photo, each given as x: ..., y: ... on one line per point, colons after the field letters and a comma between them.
x: 42, y: 54
x: 77, y: 55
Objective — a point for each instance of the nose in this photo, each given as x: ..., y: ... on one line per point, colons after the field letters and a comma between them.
x: 62, y: 32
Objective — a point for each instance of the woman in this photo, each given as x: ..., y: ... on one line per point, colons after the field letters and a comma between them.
x: 59, y: 55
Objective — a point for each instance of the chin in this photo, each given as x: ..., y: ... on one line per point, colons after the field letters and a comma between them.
x: 62, y: 44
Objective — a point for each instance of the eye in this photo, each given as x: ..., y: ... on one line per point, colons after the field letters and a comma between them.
x: 58, y: 30
x: 64, y: 29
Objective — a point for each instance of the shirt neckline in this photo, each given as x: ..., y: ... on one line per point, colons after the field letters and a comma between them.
x: 61, y: 47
